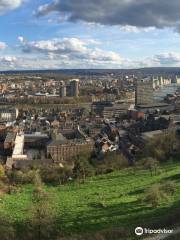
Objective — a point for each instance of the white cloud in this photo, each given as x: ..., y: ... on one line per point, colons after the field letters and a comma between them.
x: 71, y: 50
x: 77, y: 53
x: 112, y: 60
x: 134, y: 29
x: 7, y: 62
x: 8, y: 5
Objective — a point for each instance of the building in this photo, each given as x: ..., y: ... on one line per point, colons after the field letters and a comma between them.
x: 2, y: 131
x: 62, y: 90
x: 135, y: 114
x: 8, y: 114
x: 9, y: 140
x: 36, y: 140
x: 156, y: 107
x: 144, y: 92
x: 109, y: 110
x: 176, y: 79
x: 18, y: 152
x: 146, y: 136
x: 64, y: 151
x: 115, y: 112
x: 19, y: 147
x: 74, y: 87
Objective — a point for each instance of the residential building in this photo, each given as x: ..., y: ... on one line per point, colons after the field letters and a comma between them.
x: 8, y: 114
x: 64, y: 151
x: 62, y: 90
x: 74, y: 86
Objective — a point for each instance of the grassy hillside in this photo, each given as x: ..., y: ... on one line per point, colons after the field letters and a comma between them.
x: 108, y: 201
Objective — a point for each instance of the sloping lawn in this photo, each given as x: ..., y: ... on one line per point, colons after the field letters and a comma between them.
x: 106, y: 201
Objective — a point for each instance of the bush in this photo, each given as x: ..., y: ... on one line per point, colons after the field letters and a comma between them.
x: 111, y: 234
x: 163, y: 147
x: 7, y: 231
x: 3, y: 188
x: 168, y: 187
x: 112, y: 162
x: 13, y: 189
x: 115, y: 161
x: 82, y: 167
x: 159, y: 192
x: 150, y: 164
x: 55, y: 174
x: 2, y: 172
x: 19, y: 177
x: 153, y: 195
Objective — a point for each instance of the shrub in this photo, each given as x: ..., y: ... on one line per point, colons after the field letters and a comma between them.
x: 13, y: 189
x: 162, y: 147
x: 55, y: 174
x: 158, y: 192
x: 3, y: 188
x: 48, y: 173
x: 150, y: 164
x: 19, y: 177
x: 115, y: 161
x: 82, y: 167
x: 2, y: 172
x: 7, y: 231
x: 168, y: 187
x: 112, y: 234
x: 153, y: 195
x: 112, y: 161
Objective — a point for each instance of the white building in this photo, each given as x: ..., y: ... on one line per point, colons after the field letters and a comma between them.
x: 18, y: 152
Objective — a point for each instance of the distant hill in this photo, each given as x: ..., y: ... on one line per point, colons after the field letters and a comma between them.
x: 144, y: 71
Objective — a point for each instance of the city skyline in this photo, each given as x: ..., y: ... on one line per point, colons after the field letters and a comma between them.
x: 97, y: 34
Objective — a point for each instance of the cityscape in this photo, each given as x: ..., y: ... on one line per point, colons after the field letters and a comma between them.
x: 46, y: 118
x: 89, y: 124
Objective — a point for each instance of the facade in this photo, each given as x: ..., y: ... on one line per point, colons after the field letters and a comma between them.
x: 35, y: 140
x: 116, y: 111
x: 9, y: 140
x: 159, y: 81
x: 62, y: 90
x: 160, y: 107
x: 176, y: 79
x: 18, y: 152
x: 8, y: 114
x: 144, y: 92
x: 74, y: 87
x: 63, y: 151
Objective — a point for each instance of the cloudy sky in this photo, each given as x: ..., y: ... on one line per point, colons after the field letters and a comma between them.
x: 46, y: 34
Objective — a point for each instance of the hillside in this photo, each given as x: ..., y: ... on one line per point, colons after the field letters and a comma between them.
x: 113, y: 200
x: 65, y: 73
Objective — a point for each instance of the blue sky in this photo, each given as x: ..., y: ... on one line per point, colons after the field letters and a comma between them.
x: 43, y: 34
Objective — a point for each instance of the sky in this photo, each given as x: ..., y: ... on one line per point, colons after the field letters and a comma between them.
x: 66, y: 34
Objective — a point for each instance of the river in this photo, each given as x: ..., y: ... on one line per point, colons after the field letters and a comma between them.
x: 164, y: 90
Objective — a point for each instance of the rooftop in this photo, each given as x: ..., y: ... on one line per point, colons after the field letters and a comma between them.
x: 19, y: 145
x: 153, y: 105
x: 10, y: 137
x: 68, y: 142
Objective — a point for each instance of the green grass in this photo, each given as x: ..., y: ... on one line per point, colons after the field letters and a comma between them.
x: 77, y: 205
